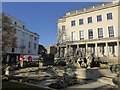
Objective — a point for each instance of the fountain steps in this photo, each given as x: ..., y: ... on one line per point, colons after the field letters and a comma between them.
x: 106, y: 80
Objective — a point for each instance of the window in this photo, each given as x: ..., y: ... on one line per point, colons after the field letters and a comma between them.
x: 112, y: 49
x: 111, y: 31
x: 90, y: 34
x: 23, y: 26
x: 63, y: 28
x: 29, y: 44
x: 28, y: 51
x: 100, y: 33
x: 15, y: 31
x: 99, y: 18
x: 15, y: 23
x: 101, y: 49
x: 81, y: 35
x: 35, y: 46
x: 84, y: 50
x: 81, y: 21
x: 13, y: 49
x: 89, y: 19
x: 31, y: 36
x: 109, y: 16
x: 22, y: 42
x: 92, y: 50
x: 35, y: 38
x: 73, y: 36
x: 26, y: 34
x: 73, y: 23
x: 23, y: 34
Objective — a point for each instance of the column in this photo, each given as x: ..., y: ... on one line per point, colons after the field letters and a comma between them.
x: 77, y: 46
x: 61, y: 52
x: 118, y: 48
x: 8, y: 57
x: 67, y: 47
x: 106, y: 49
x: 65, y: 51
x: 86, y: 48
x: 96, y: 50
x: 58, y: 51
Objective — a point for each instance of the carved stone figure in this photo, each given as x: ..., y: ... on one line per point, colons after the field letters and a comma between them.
x: 116, y: 69
x: 90, y: 60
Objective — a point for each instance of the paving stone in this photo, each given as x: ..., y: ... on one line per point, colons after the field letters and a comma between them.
x: 91, y: 85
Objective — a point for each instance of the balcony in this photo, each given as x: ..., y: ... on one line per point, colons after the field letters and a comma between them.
x: 109, y: 39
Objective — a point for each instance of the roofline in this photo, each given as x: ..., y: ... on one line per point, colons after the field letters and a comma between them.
x: 64, y: 17
x: 21, y: 22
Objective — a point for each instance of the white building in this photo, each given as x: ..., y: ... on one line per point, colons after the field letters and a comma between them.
x: 94, y: 28
x: 0, y: 37
x: 27, y: 41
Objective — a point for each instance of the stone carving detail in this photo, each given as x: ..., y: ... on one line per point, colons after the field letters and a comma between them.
x: 79, y: 59
x: 85, y: 61
x: 116, y: 69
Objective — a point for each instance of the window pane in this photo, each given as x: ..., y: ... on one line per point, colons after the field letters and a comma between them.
x: 73, y: 23
x: 81, y: 35
x: 109, y: 16
x: 112, y: 49
x: 99, y: 18
x: 90, y: 34
x: 63, y: 28
x: 35, y: 46
x: 111, y: 31
x: 73, y: 36
x: 100, y: 33
x: 89, y: 19
x: 80, y: 21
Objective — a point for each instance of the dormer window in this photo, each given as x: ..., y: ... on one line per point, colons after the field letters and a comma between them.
x: 23, y: 27
x: 15, y: 23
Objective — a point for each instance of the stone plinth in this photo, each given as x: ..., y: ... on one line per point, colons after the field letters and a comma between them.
x: 92, y: 73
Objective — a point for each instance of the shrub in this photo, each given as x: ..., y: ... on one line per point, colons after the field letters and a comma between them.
x: 63, y: 82
x: 61, y: 63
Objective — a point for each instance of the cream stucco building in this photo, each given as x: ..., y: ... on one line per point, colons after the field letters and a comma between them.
x: 95, y: 28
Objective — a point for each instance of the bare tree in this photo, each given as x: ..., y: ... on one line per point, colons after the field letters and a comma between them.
x: 60, y: 35
x: 8, y: 34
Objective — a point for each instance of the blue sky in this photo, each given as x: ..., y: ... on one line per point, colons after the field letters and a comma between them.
x: 41, y: 17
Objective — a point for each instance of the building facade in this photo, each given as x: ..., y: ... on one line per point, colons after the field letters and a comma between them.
x: 27, y: 41
x: 52, y: 49
x: 95, y: 29
x: 0, y: 37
